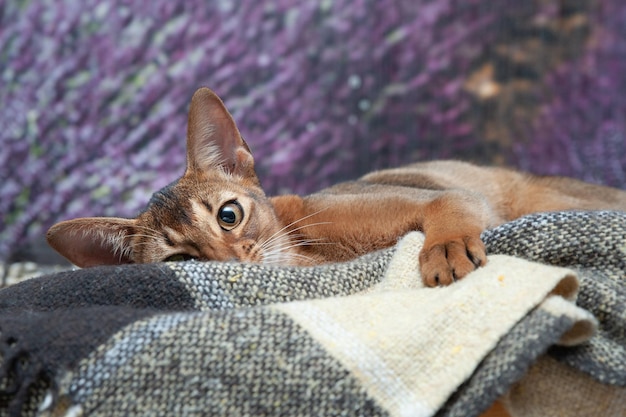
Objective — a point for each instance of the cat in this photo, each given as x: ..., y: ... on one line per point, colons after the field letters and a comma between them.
x: 218, y: 211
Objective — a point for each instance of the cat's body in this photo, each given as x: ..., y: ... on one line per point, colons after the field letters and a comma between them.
x: 218, y: 211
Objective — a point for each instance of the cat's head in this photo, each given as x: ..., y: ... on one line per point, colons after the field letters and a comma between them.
x: 215, y: 211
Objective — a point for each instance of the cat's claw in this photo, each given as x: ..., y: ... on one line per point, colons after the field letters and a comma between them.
x: 443, y: 263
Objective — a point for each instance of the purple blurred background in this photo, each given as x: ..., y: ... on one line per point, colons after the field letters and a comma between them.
x: 94, y: 94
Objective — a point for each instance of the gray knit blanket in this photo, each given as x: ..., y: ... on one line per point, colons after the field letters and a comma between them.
x: 541, y: 326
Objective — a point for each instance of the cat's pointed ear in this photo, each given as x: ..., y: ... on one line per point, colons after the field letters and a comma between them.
x: 213, y: 140
x: 92, y: 241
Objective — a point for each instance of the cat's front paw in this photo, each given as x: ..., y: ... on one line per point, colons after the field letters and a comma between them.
x: 444, y: 262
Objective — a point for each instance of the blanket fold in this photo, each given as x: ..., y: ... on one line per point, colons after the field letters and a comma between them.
x: 594, y: 245
x: 356, y: 338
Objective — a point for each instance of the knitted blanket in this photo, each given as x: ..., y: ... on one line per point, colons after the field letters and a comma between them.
x: 546, y: 316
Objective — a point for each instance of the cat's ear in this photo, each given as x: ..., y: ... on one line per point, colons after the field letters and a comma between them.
x: 213, y: 140
x: 92, y: 241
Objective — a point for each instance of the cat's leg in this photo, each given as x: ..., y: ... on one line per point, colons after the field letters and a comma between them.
x: 452, y: 224
x: 361, y: 219
x: 532, y: 194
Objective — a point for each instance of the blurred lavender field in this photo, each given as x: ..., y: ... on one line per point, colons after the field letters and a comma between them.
x: 94, y: 94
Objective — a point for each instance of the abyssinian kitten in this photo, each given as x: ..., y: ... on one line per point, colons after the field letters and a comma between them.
x: 218, y: 211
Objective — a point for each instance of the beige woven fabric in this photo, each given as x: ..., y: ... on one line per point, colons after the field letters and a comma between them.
x: 377, y: 335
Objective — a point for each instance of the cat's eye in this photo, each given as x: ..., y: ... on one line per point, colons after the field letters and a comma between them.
x: 179, y: 257
x: 230, y: 215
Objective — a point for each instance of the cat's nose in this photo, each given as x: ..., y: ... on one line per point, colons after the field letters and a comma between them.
x: 224, y: 255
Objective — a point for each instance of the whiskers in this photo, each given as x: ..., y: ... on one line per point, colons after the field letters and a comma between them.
x: 286, y: 246
x: 281, y: 252
x: 278, y: 249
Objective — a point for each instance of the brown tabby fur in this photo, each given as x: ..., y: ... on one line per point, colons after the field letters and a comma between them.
x: 451, y: 202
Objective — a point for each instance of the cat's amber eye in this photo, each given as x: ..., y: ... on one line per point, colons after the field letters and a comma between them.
x: 178, y: 257
x: 230, y: 215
